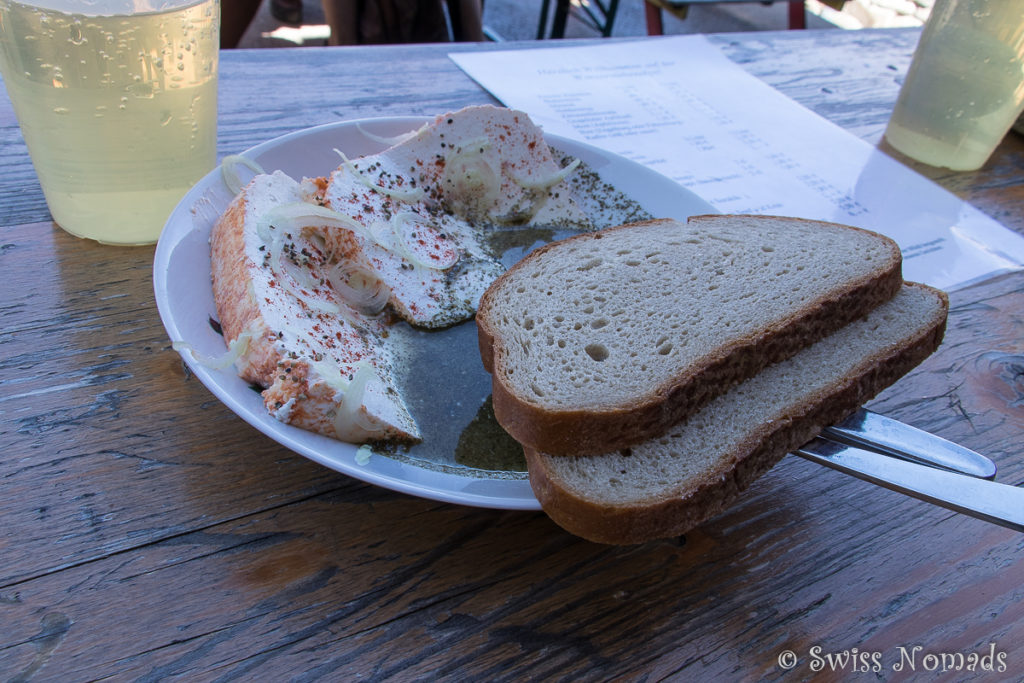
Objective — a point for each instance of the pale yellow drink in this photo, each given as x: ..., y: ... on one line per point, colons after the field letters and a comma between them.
x: 965, y: 87
x: 118, y: 111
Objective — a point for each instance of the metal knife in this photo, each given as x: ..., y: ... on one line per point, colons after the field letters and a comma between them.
x: 998, y: 503
x: 883, y: 434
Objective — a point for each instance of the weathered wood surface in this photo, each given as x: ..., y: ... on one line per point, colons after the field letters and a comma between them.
x: 146, y: 532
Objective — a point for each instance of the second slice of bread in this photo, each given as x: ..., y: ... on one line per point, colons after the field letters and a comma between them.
x: 609, y: 338
x: 673, y: 482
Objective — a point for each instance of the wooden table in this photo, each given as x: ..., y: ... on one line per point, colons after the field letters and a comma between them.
x: 147, y: 532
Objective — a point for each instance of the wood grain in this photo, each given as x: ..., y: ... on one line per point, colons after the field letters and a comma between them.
x: 148, y: 533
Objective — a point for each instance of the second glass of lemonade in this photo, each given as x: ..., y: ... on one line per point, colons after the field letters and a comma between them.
x: 117, y: 102
x: 965, y: 86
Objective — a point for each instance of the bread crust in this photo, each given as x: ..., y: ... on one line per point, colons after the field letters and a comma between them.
x: 694, y: 502
x: 579, y: 432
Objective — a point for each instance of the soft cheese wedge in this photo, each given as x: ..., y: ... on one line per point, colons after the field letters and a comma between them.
x: 303, y: 271
x: 324, y: 365
x: 608, y: 338
x: 669, y: 484
x: 428, y: 201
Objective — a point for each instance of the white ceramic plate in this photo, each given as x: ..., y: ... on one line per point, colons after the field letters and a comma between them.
x: 181, y: 278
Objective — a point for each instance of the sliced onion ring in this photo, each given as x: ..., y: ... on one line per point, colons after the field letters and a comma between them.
x: 550, y: 180
x: 412, y: 195
x: 237, y: 347
x: 229, y: 171
x: 390, y: 141
x: 301, y: 215
x: 471, y: 182
x: 353, y: 390
x: 349, y: 413
x: 288, y: 278
x: 369, y: 296
x: 398, y: 221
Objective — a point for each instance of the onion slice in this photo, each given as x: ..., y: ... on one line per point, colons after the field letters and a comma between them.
x: 398, y: 222
x: 550, y: 180
x: 237, y: 347
x: 471, y: 182
x: 360, y: 287
x: 272, y: 227
x: 229, y: 171
x: 293, y: 279
x: 363, y: 454
x: 301, y: 215
x: 353, y: 389
x: 412, y: 195
x: 349, y: 414
x: 389, y: 141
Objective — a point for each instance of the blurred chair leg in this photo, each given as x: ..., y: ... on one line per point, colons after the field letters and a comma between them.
x: 542, y: 25
x: 596, y: 15
x: 797, y: 14
x: 609, y: 18
x: 653, y: 16
x: 560, y: 19
x: 467, y: 20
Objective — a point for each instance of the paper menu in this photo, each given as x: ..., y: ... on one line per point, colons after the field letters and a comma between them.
x: 683, y: 108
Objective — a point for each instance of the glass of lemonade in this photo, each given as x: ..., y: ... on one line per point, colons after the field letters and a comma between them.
x: 965, y: 87
x: 117, y: 102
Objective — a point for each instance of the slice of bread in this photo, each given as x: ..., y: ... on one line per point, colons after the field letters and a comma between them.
x: 606, y: 339
x: 671, y: 483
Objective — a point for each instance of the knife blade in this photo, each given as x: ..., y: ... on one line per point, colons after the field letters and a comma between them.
x: 988, y: 500
x: 876, y: 432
